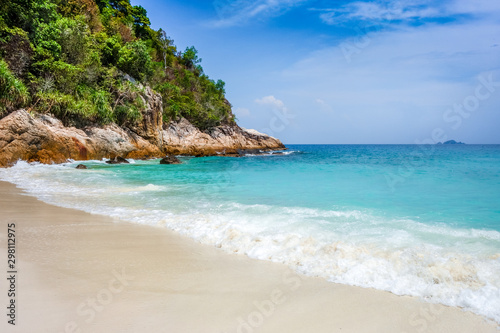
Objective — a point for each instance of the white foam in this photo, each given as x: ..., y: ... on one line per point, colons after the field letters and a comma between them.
x: 452, y: 266
x: 272, y: 153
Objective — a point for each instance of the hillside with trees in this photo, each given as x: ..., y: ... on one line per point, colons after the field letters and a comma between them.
x: 86, y: 62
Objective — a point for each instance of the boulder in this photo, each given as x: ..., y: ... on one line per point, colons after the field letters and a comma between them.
x: 170, y: 160
x: 243, y: 152
x: 117, y: 160
x: 81, y: 166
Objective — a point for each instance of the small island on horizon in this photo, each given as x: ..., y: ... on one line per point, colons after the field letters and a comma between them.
x: 450, y: 142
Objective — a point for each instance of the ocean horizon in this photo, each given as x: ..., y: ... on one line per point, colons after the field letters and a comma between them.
x: 418, y: 220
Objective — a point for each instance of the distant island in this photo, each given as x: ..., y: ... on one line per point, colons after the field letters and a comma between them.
x: 450, y: 142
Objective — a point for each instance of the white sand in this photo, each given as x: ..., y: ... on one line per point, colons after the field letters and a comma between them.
x: 79, y: 272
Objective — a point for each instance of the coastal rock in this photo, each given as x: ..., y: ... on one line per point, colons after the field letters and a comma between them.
x: 182, y: 138
x: 81, y: 166
x: 243, y: 152
x: 45, y: 139
x: 170, y: 160
x: 117, y: 160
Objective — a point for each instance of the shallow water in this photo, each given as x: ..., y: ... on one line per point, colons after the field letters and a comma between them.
x: 413, y: 220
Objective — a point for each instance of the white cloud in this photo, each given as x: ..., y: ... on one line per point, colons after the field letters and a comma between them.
x: 323, y: 106
x: 406, y: 10
x: 382, y: 11
x: 476, y: 7
x: 273, y: 102
x: 238, y: 12
x: 400, y: 84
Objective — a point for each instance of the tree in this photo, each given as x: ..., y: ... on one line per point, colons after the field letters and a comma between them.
x: 141, y: 22
x: 190, y: 57
x: 134, y: 59
x: 220, y: 85
x: 165, y: 42
x: 69, y: 58
x: 28, y: 14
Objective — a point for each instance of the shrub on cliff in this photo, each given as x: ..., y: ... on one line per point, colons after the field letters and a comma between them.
x: 13, y: 93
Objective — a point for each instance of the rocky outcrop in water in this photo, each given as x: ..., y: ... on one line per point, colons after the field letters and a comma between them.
x: 117, y: 160
x: 182, y: 138
x: 170, y: 160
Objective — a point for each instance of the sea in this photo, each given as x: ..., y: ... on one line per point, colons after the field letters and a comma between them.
x: 419, y: 220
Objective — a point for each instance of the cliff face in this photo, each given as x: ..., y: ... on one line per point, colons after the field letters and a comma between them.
x: 45, y: 139
x: 152, y: 121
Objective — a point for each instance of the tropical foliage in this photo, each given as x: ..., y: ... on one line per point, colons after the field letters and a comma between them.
x: 87, y: 61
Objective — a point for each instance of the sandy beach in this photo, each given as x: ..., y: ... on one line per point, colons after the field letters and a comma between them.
x: 78, y: 272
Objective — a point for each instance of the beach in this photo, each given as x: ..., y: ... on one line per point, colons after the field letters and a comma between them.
x: 79, y: 272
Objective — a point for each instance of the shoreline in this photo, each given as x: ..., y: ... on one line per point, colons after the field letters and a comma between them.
x: 80, y: 272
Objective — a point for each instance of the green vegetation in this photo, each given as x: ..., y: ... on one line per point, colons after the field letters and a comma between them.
x: 87, y: 62
x: 13, y: 93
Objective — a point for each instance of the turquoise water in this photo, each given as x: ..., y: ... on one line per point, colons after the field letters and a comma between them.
x: 413, y: 220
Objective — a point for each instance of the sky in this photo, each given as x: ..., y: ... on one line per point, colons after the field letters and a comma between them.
x: 349, y: 72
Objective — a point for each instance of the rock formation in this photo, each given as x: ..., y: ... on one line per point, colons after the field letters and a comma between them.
x: 182, y: 138
x: 152, y: 121
x: 43, y: 138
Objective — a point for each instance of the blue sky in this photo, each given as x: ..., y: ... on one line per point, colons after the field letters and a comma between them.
x: 313, y: 71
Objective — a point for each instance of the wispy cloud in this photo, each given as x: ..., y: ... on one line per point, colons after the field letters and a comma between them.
x: 406, y: 10
x: 323, y: 106
x: 380, y: 11
x: 238, y: 12
x: 399, y: 88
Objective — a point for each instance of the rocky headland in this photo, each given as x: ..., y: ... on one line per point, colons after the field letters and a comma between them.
x: 43, y: 138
